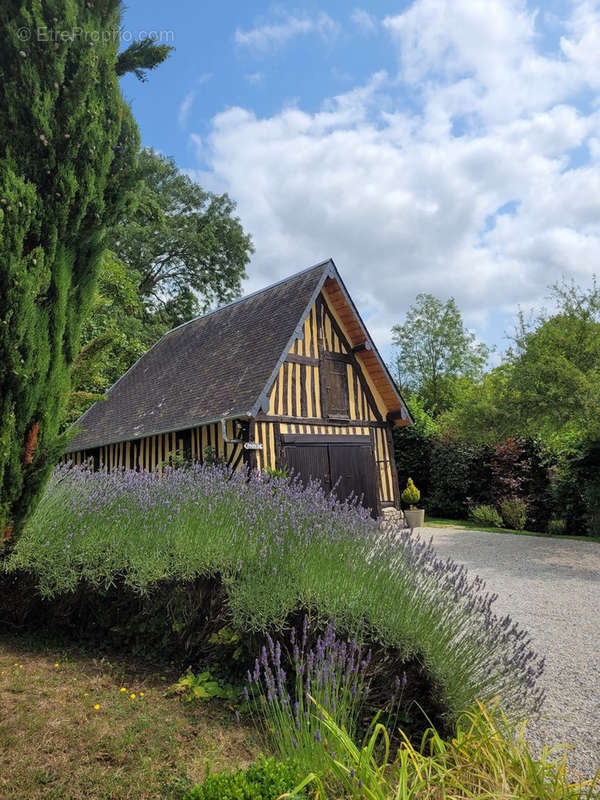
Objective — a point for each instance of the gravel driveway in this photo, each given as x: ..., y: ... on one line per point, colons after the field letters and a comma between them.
x: 552, y: 587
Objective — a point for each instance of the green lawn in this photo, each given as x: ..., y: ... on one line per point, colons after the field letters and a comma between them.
x: 469, y: 525
x: 76, y: 725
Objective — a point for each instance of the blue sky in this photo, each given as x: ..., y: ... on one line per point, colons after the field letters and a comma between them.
x: 443, y: 146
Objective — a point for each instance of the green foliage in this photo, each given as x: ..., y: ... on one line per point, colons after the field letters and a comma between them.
x: 458, y: 475
x: 210, y: 456
x: 450, y: 478
x: 514, y: 513
x: 204, y: 686
x: 481, y: 412
x: 177, y: 243
x: 115, y: 333
x: 186, y: 245
x: 335, y: 675
x: 226, y: 640
x: 67, y: 155
x: 176, y: 460
x: 591, y: 498
x: 487, y: 757
x: 278, y: 473
x: 585, y: 468
x: 266, y: 780
x: 164, y: 537
x: 555, y: 377
x: 436, y: 351
x: 525, y: 429
x: 412, y: 446
x: 141, y: 56
x: 411, y: 495
x: 549, y: 384
x: 556, y: 527
x: 487, y: 516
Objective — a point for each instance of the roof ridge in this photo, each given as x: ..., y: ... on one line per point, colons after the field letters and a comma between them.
x: 324, y: 263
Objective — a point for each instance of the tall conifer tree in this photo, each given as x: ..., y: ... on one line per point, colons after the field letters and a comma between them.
x: 67, y: 163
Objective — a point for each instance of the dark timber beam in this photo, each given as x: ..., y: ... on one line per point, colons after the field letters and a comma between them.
x: 396, y: 415
x: 359, y: 348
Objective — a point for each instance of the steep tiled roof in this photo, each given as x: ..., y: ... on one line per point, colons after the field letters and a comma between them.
x: 212, y: 367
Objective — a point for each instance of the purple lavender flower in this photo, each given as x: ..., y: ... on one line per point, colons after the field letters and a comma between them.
x: 142, y: 528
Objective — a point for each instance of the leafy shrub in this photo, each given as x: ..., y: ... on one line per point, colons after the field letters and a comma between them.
x: 455, y: 475
x: 576, y: 488
x: 487, y: 516
x: 556, y: 527
x: 204, y: 686
x: 277, y: 473
x: 538, y: 488
x: 450, y: 477
x: 591, y: 498
x: 412, y: 450
x: 411, y: 495
x: 587, y: 473
x: 487, y: 757
x: 510, y: 469
x: 514, y: 513
x: 258, y: 550
x: 266, y: 780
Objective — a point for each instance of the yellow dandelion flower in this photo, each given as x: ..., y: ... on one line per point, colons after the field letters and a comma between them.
x: 85, y: 694
x: 56, y: 665
x: 20, y: 666
x: 141, y: 694
x: 123, y: 689
x: 132, y: 695
x: 97, y: 707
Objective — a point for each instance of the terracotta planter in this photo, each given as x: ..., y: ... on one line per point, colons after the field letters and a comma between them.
x: 416, y: 518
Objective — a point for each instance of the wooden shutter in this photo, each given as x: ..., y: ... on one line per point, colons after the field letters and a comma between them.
x: 336, y: 387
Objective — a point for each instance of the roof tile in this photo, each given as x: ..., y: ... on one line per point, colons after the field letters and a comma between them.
x: 212, y: 367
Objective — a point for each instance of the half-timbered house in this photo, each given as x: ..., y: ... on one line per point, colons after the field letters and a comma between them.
x: 285, y: 377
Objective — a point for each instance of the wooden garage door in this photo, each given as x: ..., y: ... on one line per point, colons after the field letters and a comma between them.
x: 348, y: 462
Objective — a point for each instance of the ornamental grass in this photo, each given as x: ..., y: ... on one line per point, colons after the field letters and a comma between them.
x: 279, y: 548
x: 487, y: 758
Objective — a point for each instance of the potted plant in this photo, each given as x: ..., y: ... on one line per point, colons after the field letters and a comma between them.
x: 415, y: 517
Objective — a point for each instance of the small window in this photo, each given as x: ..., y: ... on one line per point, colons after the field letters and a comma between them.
x: 336, y: 387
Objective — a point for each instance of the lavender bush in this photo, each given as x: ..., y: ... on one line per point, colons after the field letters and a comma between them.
x: 333, y: 676
x: 279, y: 547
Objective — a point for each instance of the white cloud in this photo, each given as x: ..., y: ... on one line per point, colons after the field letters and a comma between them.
x: 254, y: 77
x: 188, y: 100
x: 185, y: 108
x: 271, y: 35
x: 363, y: 20
x: 467, y: 191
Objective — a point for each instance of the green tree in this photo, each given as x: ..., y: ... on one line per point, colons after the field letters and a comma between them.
x: 549, y: 384
x: 132, y: 309
x: 114, y: 335
x: 140, y: 57
x: 555, y: 366
x: 68, y: 146
x: 435, y: 350
x: 186, y: 244
x: 481, y: 411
